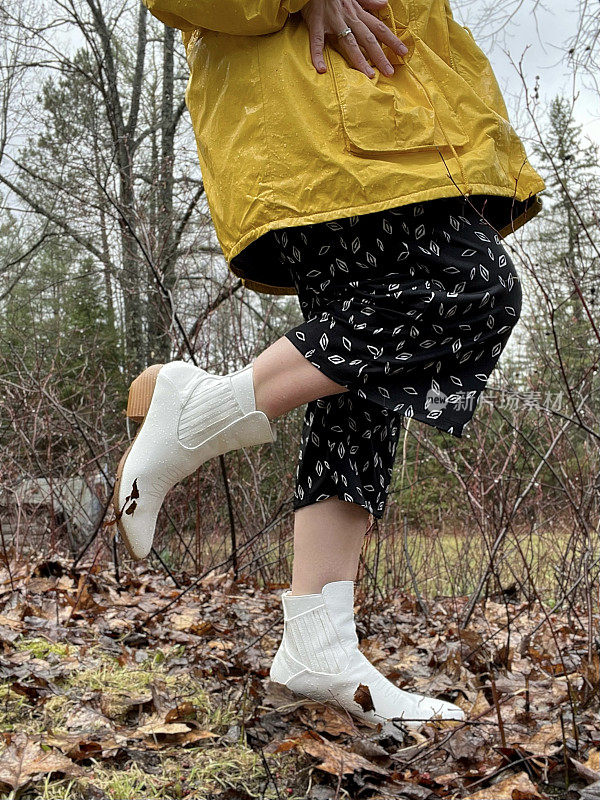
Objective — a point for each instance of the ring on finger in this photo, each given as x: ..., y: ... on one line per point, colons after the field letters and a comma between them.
x: 345, y: 32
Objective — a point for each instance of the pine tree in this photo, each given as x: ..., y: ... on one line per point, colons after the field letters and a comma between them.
x: 566, y: 255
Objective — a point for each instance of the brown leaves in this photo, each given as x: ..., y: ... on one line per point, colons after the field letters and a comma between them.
x: 24, y: 761
x: 191, y: 620
x: 171, y: 718
x: 467, y: 746
x: 217, y: 642
x: 331, y: 757
x: 515, y: 787
x: 116, y: 706
x: 81, y: 746
x: 362, y: 696
x: 546, y: 741
x: 593, y: 760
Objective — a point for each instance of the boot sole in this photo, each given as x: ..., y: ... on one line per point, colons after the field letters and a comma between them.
x: 340, y: 709
x: 412, y: 724
x: 138, y: 403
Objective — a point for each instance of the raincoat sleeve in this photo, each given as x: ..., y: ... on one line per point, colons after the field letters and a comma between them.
x: 243, y: 17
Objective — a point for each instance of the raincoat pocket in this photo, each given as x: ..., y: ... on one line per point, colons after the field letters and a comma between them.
x: 398, y: 114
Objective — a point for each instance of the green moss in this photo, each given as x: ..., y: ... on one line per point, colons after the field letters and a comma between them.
x: 41, y: 648
x: 15, y: 710
x: 184, y: 771
x: 193, y: 772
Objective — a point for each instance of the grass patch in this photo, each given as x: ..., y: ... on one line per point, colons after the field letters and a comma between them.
x: 448, y: 564
x: 102, y: 686
x: 192, y: 773
x: 41, y: 648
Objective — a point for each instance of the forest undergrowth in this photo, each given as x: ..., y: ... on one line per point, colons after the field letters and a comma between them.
x: 125, y: 686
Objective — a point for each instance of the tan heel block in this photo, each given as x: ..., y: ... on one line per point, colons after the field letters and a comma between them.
x: 140, y: 393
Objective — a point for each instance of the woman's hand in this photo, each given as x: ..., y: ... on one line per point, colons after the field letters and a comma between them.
x: 330, y: 17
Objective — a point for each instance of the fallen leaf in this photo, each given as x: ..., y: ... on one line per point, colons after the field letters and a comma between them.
x: 164, y: 727
x: 191, y: 620
x: 371, y: 650
x: 332, y: 758
x: 466, y: 745
x: 7, y: 622
x: 24, y: 760
x: 448, y: 777
x: 179, y: 739
x: 480, y: 706
x: 545, y: 742
x: 362, y: 696
x: 593, y: 760
x: 591, y: 792
x: 585, y: 772
x: 114, y: 706
x: 78, y: 746
x: 515, y: 787
x: 181, y: 711
x: 86, y: 718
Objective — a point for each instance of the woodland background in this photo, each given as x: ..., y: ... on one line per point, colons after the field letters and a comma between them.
x: 109, y: 262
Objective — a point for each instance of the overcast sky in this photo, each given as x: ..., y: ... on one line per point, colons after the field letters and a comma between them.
x: 548, y: 30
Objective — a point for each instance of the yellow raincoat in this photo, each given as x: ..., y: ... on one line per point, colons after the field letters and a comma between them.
x: 280, y: 144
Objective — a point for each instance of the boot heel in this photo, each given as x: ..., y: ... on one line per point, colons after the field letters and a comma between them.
x: 140, y: 393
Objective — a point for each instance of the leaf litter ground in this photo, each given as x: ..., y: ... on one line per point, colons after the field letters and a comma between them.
x: 129, y: 690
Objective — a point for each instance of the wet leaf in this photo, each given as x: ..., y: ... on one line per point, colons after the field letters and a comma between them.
x: 362, y: 696
x: 593, y: 760
x: 164, y: 728
x: 515, y: 787
x: 24, y: 760
x: 331, y: 757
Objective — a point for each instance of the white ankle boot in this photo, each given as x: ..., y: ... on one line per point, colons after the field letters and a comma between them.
x: 189, y: 416
x: 319, y: 659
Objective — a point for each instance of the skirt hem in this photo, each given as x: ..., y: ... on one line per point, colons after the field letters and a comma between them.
x: 310, y: 501
x: 455, y: 429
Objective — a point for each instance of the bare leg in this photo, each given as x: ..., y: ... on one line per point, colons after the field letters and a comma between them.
x: 328, y: 538
x: 284, y: 379
x: 328, y: 535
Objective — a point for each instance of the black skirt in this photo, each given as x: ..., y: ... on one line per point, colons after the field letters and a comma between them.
x: 409, y: 308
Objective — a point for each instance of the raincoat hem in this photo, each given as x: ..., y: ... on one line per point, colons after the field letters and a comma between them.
x: 381, y: 205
